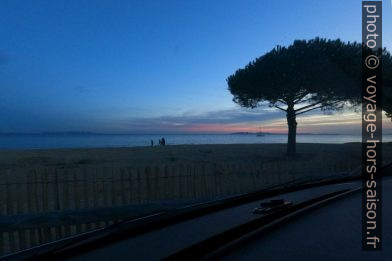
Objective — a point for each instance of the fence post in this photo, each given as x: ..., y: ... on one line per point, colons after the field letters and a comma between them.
x: 3, y: 194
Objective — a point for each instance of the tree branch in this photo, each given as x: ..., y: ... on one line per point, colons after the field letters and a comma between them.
x: 309, y: 110
x: 308, y: 106
x: 318, y: 107
x: 300, y: 97
x: 276, y: 106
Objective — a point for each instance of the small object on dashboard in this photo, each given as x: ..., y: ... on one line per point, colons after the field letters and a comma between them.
x: 272, y: 205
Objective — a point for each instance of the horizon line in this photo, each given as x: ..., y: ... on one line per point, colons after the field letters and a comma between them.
x: 165, y: 133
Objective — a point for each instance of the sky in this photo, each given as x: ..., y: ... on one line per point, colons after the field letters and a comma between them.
x: 124, y: 66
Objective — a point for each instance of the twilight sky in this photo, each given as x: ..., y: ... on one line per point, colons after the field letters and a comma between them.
x: 124, y: 66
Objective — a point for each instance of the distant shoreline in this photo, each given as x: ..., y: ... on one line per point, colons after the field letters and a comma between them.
x: 96, y: 140
x: 87, y: 133
x: 271, y: 133
x: 121, y: 134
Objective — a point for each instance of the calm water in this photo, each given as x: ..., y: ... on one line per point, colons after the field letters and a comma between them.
x: 37, y: 141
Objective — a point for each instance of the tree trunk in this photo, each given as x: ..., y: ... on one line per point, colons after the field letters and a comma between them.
x: 292, y: 124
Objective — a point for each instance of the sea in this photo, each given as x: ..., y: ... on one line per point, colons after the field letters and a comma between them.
x: 91, y: 140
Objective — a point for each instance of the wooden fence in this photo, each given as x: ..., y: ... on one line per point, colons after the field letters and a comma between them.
x: 51, y: 189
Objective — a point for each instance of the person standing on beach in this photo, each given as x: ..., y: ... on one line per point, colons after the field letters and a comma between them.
x: 163, y: 141
x: 152, y: 143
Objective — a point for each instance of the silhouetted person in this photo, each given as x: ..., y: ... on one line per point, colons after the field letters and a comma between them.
x: 152, y: 143
x: 163, y: 141
x: 160, y: 142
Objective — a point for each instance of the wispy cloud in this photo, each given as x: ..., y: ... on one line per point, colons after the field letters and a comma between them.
x: 238, y: 119
x: 235, y: 119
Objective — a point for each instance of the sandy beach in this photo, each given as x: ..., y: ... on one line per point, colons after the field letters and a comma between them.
x: 35, y: 181
x: 83, y: 189
x: 184, y: 154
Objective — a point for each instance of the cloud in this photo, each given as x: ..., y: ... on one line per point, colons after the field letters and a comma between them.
x: 239, y: 119
x: 218, y: 117
x: 242, y: 120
